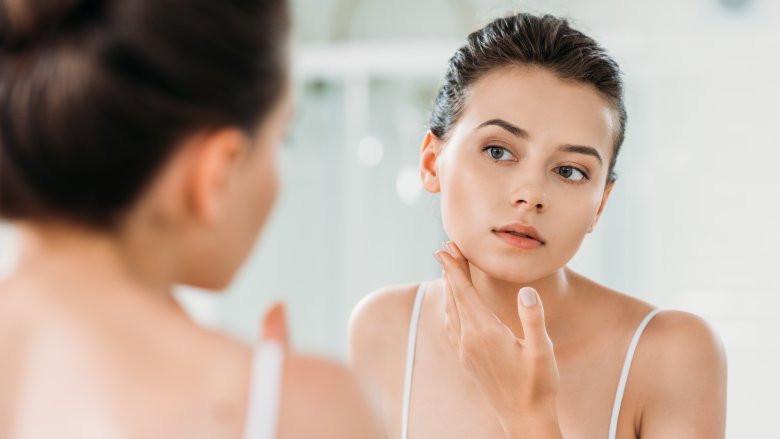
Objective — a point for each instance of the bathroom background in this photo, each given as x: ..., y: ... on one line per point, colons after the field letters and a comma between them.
x: 692, y: 224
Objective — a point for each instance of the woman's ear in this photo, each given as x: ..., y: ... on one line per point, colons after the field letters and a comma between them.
x: 216, y: 157
x: 428, y: 162
x: 604, y: 198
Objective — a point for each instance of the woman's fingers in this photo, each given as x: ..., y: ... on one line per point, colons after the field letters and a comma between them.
x: 275, y: 325
x: 489, y: 350
x: 473, y: 315
x: 451, y: 317
x: 468, y: 302
x: 454, y: 250
x: 531, y: 311
x: 478, y: 325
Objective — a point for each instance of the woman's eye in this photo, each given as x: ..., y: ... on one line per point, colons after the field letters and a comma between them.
x: 498, y: 153
x: 571, y: 173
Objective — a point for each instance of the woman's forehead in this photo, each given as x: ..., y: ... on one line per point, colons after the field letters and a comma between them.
x: 547, y: 108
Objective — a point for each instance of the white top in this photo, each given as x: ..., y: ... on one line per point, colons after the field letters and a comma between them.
x: 410, y: 352
x: 410, y: 349
x: 265, y: 387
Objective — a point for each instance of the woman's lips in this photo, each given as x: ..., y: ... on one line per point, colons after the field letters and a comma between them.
x: 518, y: 240
x: 520, y: 235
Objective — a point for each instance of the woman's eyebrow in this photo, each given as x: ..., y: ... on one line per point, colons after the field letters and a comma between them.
x: 514, y: 130
x: 579, y: 149
x: 523, y: 134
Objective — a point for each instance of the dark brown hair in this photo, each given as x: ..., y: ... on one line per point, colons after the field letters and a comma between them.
x: 95, y: 94
x: 528, y: 40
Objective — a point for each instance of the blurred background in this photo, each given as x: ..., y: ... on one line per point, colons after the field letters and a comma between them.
x: 693, y: 223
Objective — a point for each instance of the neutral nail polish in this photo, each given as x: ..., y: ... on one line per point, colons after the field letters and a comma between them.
x: 528, y: 297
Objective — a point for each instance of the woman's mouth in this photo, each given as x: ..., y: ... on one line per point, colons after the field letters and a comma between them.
x: 519, y: 236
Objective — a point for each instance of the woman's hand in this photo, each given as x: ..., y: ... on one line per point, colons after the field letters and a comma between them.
x: 519, y: 377
x: 274, y: 326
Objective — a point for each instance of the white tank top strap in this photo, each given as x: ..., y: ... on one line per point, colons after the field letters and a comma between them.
x: 410, y: 351
x: 264, y: 391
x: 621, y: 388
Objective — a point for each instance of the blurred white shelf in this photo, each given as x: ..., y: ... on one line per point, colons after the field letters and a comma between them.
x: 373, y: 59
x: 661, y: 51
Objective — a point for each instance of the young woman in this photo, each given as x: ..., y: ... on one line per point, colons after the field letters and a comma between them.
x: 137, y: 151
x: 522, y: 146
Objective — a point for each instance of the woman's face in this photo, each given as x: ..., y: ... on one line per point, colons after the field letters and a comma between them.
x: 523, y: 173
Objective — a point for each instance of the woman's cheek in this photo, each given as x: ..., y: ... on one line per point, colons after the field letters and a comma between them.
x: 571, y: 234
x: 462, y: 223
x: 453, y: 218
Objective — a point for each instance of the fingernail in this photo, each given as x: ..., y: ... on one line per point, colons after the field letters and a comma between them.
x: 528, y: 297
x: 437, y: 257
x: 446, y: 246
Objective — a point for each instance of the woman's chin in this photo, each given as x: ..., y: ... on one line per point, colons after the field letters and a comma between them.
x: 521, y: 274
x: 211, y: 281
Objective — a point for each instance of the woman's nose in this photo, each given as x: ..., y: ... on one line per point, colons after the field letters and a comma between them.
x: 532, y: 201
x: 530, y: 195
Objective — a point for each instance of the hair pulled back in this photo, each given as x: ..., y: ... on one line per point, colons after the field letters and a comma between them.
x: 528, y: 40
x: 95, y: 94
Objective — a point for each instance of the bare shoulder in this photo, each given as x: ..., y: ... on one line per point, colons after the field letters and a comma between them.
x: 327, y: 395
x: 677, y: 382
x: 319, y: 390
x: 384, y: 304
x: 683, y: 343
x: 680, y: 376
x: 380, y: 320
x: 671, y: 335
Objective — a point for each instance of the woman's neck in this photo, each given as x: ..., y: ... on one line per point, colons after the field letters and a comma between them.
x: 85, y: 261
x: 501, y: 297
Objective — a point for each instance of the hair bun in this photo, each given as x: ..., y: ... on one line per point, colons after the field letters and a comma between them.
x: 26, y: 21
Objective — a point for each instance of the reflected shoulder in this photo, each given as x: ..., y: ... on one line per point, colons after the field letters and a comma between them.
x: 682, y: 372
x: 378, y: 327
x: 328, y: 397
x: 382, y: 309
x: 684, y: 339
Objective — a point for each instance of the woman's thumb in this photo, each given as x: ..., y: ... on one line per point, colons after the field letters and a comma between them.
x: 531, y: 311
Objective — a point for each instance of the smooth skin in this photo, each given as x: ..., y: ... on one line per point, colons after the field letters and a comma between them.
x: 93, y: 345
x: 531, y: 149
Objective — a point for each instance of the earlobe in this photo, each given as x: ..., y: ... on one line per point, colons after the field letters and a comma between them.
x: 428, y: 162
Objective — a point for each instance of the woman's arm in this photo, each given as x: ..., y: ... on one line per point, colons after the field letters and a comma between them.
x: 682, y: 371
